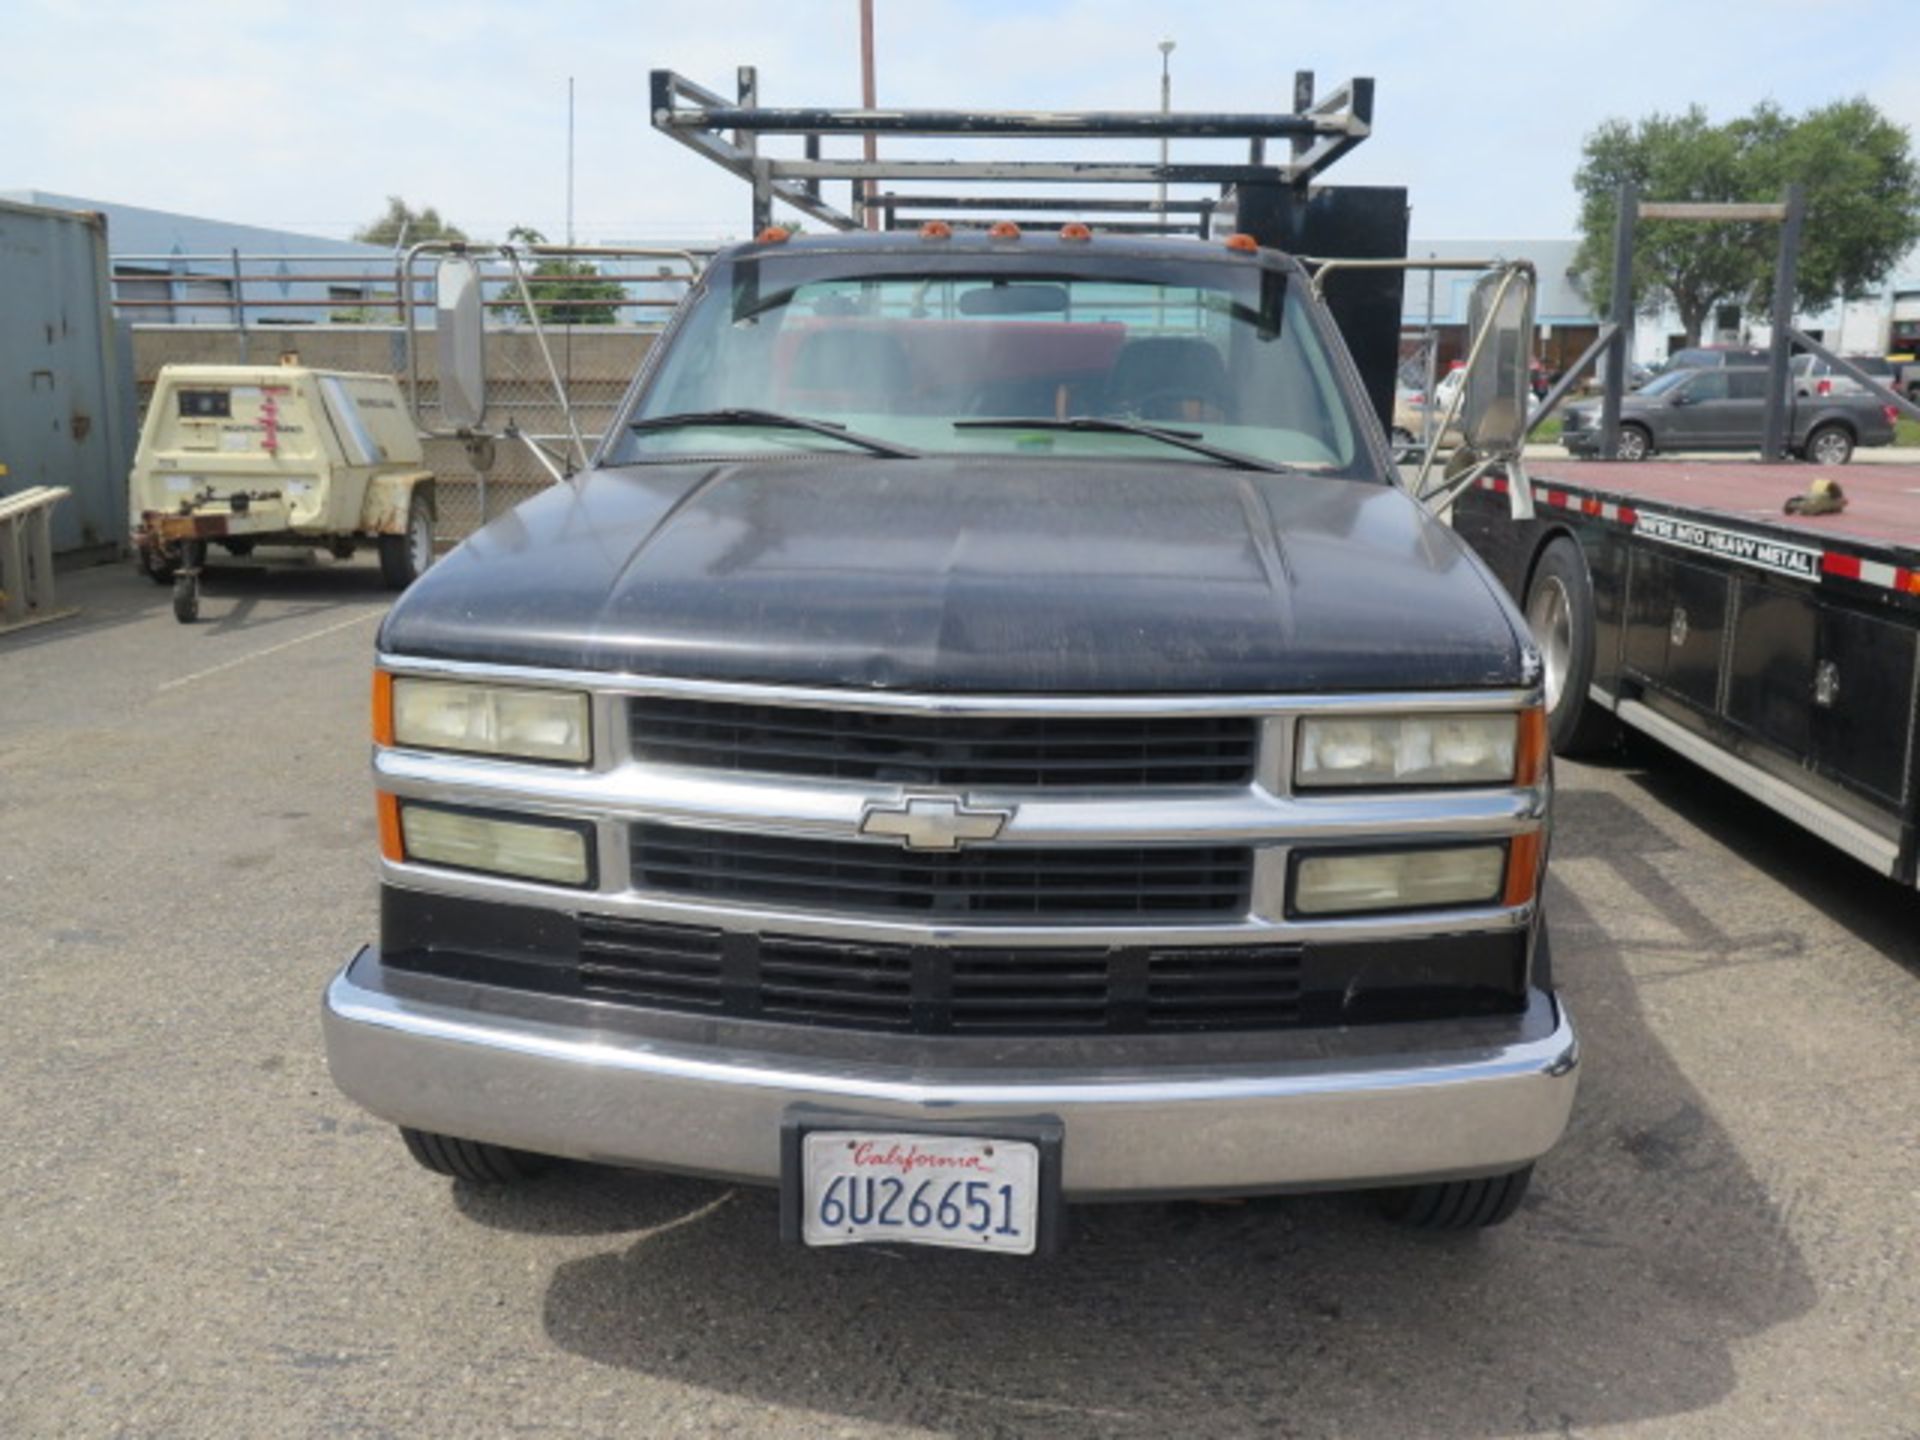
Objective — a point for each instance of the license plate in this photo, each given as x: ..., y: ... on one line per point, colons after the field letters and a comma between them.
x: 963, y: 1192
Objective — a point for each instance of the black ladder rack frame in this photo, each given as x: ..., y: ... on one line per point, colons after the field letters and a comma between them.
x: 1274, y: 201
x: 1319, y: 132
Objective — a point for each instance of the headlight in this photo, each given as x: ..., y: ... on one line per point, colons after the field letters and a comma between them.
x: 1346, y: 884
x: 554, y: 853
x: 1437, y: 749
x: 488, y: 719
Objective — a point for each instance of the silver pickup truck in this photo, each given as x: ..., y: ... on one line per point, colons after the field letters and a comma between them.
x: 1726, y: 409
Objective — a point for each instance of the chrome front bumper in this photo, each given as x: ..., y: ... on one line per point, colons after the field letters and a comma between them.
x: 1157, y: 1116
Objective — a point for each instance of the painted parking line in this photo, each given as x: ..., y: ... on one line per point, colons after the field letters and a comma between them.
x: 180, y: 680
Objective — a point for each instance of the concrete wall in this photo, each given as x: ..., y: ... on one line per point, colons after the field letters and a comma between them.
x: 596, y: 361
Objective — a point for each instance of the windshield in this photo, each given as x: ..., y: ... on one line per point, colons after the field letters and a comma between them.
x: 1227, y: 357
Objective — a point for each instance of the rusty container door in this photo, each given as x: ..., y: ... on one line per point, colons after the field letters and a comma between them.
x: 66, y: 402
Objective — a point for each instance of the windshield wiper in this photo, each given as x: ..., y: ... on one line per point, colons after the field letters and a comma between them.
x: 1180, y: 439
x: 740, y: 415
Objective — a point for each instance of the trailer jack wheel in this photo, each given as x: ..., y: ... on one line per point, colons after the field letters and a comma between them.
x: 186, y: 598
x: 186, y: 581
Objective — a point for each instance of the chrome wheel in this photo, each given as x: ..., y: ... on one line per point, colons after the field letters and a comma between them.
x: 1830, y: 447
x: 1633, y: 443
x: 1550, y: 617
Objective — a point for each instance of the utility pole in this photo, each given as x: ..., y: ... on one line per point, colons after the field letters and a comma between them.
x: 868, y: 101
x: 1166, y: 108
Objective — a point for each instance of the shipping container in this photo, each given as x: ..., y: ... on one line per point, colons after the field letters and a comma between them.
x: 66, y: 395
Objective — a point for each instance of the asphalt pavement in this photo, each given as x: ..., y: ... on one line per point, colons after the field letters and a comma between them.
x: 200, y: 1237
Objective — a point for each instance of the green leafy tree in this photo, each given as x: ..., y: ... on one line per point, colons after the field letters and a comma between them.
x: 565, y: 292
x: 1863, y: 206
x: 401, y: 224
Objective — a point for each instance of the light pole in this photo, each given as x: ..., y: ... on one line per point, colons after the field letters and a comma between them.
x: 1166, y: 108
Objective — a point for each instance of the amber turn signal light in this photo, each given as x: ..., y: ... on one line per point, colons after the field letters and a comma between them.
x: 391, y: 844
x: 1531, y: 749
x: 1523, y: 868
x: 382, y: 708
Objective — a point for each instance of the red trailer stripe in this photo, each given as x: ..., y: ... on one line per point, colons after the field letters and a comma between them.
x: 1832, y: 562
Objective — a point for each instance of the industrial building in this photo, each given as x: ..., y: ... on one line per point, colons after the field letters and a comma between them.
x: 175, y: 269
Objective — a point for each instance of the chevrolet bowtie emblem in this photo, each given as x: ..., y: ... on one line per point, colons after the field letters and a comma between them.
x: 928, y: 822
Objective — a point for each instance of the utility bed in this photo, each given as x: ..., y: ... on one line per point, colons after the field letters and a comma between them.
x: 1781, y: 652
x: 1881, y: 520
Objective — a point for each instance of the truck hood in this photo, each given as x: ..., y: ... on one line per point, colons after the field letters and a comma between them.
x: 973, y: 575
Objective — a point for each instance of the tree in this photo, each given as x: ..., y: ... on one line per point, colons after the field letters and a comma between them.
x: 1863, y: 206
x: 402, y: 225
x: 565, y: 291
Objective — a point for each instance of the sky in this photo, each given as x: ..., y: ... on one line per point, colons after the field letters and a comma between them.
x: 305, y: 116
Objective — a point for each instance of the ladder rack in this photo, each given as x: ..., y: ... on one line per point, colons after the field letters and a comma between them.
x: 729, y: 134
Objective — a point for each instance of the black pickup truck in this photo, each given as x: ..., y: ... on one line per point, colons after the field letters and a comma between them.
x: 988, y: 730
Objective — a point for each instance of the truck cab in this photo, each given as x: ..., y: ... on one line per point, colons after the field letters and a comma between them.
x: 989, y: 705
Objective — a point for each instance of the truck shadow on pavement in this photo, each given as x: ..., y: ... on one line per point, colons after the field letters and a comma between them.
x: 1878, y: 911
x: 1646, y: 1252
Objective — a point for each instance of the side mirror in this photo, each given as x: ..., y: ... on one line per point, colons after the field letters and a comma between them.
x: 1499, y: 388
x: 460, y: 342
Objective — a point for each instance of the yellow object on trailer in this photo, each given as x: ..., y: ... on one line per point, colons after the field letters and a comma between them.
x: 246, y: 455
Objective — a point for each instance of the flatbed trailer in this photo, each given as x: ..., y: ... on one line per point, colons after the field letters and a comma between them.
x: 1779, y: 652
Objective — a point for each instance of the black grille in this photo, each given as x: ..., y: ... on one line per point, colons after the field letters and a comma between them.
x: 948, y: 750
x: 856, y: 985
x: 999, y: 883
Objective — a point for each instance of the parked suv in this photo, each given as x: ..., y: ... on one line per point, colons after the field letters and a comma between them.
x: 987, y: 730
x: 1725, y: 408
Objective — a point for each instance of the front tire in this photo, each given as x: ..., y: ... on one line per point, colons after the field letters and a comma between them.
x: 1635, y: 443
x: 1560, y: 612
x: 1457, y: 1204
x: 1830, y: 445
x: 474, y: 1161
x: 404, y: 558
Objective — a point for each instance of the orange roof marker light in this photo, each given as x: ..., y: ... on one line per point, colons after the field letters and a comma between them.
x: 773, y: 235
x: 1074, y: 230
x: 1242, y: 242
x: 1003, y: 230
x: 936, y: 230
